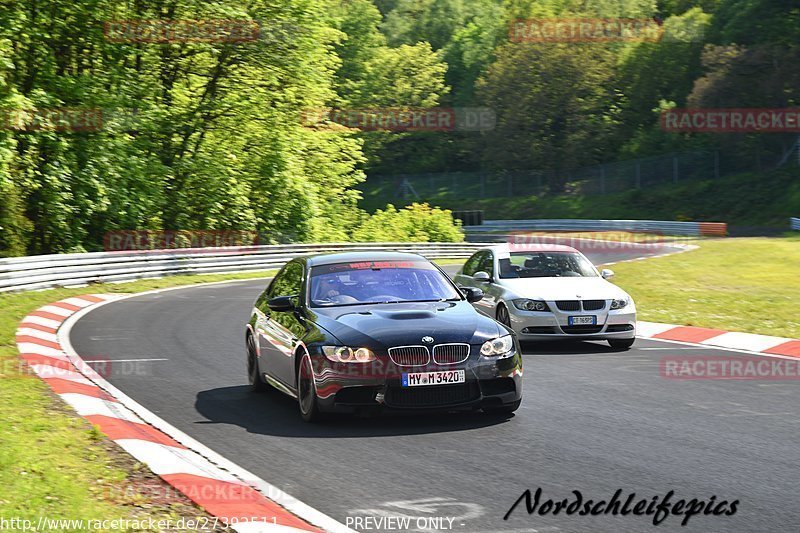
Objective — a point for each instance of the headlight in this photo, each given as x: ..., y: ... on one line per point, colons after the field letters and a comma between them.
x: 619, y: 304
x: 346, y: 354
x: 499, y: 346
x: 530, y: 305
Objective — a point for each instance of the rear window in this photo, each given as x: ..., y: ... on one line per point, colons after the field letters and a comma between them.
x: 370, y: 282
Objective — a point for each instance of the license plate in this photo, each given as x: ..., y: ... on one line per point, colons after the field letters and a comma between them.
x: 582, y: 320
x: 422, y: 379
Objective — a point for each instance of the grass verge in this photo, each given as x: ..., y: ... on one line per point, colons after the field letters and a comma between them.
x: 743, y: 284
x: 53, y: 463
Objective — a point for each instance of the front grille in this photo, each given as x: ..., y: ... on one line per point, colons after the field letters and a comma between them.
x: 410, y: 355
x: 449, y: 354
x: 569, y: 305
x: 581, y: 330
x: 434, y: 396
x: 593, y: 305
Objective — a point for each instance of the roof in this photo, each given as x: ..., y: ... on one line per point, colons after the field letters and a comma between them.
x: 532, y: 247
x: 347, y: 257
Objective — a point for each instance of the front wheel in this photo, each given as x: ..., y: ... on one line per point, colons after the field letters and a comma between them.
x: 254, y: 376
x: 502, y: 315
x: 621, y: 344
x: 306, y: 393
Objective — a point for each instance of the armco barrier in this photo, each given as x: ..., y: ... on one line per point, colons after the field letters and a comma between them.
x: 794, y: 223
x: 64, y: 270
x: 661, y: 227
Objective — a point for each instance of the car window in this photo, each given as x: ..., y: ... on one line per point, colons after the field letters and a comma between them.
x: 378, y: 282
x: 545, y: 265
x: 471, y: 266
x: 288, y: 282
x: 487, y: 263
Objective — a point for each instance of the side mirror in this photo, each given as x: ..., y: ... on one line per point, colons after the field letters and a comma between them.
x: 607, y: 273
x: 482, y: 277
x: 473, y: 294
x: 281, y: 304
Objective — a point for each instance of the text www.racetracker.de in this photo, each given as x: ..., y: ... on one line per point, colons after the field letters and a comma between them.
x: 44, y: 523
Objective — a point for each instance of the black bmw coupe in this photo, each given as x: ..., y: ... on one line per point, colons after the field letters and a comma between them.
x: 366, y: 331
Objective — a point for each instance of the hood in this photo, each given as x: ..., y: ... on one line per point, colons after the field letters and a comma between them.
x: 567, y: 288
x: 385, y: 325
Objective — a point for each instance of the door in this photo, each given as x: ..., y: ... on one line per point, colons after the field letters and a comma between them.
x: 489, y: 288
x: 279, y: 333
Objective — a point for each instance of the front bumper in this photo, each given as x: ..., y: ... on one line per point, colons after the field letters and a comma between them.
x: 354, y: 387
x: 554, y: 324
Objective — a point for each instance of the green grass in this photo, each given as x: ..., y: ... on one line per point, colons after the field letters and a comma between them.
x: 52, y: 462
x: 752, y: 199
x: 745, y: 284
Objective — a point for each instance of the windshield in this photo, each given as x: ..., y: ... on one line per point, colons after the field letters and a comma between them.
x: 378, y: 282
x: 546, y: 265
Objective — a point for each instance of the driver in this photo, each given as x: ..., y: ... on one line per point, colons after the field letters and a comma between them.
x: 328, y: 287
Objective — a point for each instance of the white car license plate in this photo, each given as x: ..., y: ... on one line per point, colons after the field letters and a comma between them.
x: 422, y: 379
x: 582, y: 320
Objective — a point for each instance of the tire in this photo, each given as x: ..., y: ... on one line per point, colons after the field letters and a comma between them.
x: 502, y: 316
x: 254, y: 376
x: 621, y: 344
x: 306, y: 392
x: 503, y: 409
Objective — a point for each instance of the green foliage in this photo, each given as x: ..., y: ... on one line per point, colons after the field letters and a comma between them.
x: 416, y: 222
x: 209, y: 135
x: 195, y: 135
x: 562, y: 111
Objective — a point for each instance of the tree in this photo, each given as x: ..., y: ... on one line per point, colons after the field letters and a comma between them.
x: 554, y: 105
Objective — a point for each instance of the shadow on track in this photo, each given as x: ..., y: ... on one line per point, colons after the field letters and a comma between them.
x: 273, y: 413
x: 568, y: 347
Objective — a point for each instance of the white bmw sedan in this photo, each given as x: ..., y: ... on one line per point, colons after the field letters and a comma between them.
x: 550, y: 292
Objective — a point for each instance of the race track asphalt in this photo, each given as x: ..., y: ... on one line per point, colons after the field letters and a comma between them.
x: 592, y: 420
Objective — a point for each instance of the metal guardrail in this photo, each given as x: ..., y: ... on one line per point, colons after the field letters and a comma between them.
x: 794, y: 223
x: 662, y: 227
x: 65, y: 270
